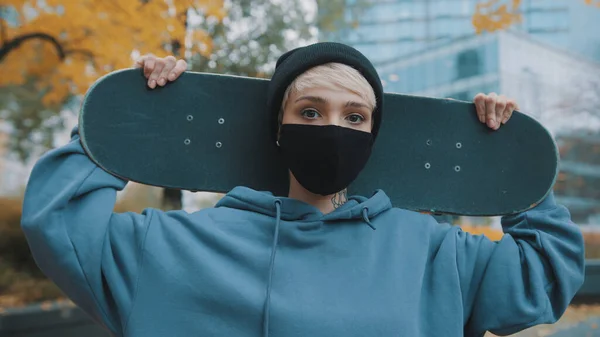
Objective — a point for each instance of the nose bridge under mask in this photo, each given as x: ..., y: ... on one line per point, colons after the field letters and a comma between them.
x: 334, y: 117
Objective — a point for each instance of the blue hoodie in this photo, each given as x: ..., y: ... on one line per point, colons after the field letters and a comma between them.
x: 260, y: 265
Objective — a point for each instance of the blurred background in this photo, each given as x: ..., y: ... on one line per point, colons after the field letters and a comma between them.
x: 543, y: 53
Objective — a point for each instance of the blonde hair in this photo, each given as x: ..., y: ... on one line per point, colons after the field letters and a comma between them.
x: 332, y: 76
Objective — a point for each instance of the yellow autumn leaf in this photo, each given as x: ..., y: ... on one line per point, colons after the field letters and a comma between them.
x: 66, y: 45
x: 492, y: 15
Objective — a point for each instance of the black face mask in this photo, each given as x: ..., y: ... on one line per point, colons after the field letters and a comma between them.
x: 324, y: 159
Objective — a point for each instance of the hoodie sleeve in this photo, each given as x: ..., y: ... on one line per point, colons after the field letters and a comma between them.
x: 91, y: 253
x: 528, y: 277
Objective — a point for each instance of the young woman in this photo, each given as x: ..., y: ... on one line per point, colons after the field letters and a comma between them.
x: 310, y: 263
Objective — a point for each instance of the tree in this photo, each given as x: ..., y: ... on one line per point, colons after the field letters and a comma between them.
x: 580, y: 105
x: 53, y: 50
x: 253, y: 35
x: 33, y: 122
x: 64, y: 46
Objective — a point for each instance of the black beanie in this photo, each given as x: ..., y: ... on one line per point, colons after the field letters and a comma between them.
x: 295, y: 62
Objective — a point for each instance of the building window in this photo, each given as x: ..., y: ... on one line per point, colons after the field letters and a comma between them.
x: 468, y: 64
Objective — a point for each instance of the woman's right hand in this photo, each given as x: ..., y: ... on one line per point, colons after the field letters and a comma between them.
x: 160, y: 70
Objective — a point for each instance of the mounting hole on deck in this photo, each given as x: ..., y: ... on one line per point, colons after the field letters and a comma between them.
x: 427, y: 166
x: 457, y: 168
x: 187, y: 141
x: 458, y: 145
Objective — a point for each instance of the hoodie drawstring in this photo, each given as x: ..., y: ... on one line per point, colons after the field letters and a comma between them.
x: 266, y: 311
x: 365, y: 214
x: 271, y: 264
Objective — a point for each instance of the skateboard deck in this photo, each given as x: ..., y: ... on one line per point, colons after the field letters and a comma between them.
x: 209, y: 132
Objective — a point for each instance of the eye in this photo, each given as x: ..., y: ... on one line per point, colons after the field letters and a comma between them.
x: 355, y: 119
x: 310, y: 113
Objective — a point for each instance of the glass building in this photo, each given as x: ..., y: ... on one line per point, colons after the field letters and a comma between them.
x: 458, y: 70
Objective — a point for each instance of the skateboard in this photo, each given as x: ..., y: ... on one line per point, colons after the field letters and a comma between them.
x: 211, y: 132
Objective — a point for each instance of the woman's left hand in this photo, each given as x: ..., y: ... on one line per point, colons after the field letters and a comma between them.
x: 494, y: 109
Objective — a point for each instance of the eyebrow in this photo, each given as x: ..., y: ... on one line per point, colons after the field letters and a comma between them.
x: 356, y: 105
x: 317, y: 99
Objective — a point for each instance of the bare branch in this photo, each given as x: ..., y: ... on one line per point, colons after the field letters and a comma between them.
x: 7, y: 47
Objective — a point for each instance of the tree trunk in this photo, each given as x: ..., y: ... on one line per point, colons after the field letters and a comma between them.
x: 171, y: 199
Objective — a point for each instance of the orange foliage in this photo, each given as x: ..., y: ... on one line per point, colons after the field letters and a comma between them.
x: 491, y: 17
x: 491, y: 233
x: 66, y: 45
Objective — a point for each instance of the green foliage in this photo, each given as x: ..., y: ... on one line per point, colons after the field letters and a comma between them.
x: 33, y: 124
x: 252, y: 36
x: 274, y: 28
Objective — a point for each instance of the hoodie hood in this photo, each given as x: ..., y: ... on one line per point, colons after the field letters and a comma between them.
x: 247, y: 199
x: 288, y: 209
